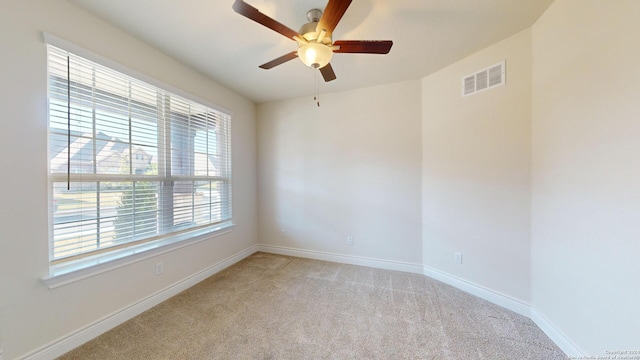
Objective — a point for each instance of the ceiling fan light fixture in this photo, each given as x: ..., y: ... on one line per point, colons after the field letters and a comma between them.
x: 315, y: 55
x: 315, y: 43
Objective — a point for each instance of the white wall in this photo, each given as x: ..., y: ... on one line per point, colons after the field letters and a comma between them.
x: 32, y: 315
x: 586, y: 171
x: 476, y: 171
x: 348, y: 168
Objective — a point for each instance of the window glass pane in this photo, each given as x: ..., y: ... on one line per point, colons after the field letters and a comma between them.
x: 137, y: 211
x: 214, y: 157
x: 145, y: 160
x: 109, y: 124
x: 182, y: 146
x: 184, y: 198
x: 74, y: 219
x: 111, y: 157
x: 81, y: 119
x: 81, y: 155
x: 110, y: 197
x: 202, y: 162
x: 144, y: 131
x: 58, y: 114
x: 217, y: 200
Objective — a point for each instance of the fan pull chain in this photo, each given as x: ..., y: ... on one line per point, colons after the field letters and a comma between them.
x: 317, y: 97
x: 316, y: 90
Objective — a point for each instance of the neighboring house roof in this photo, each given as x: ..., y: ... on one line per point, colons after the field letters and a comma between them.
x: 109, y: 150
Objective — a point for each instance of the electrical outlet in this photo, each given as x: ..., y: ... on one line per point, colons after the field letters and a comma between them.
x: 350, y: 240
x: 159, y: 268
x: 457, y: 257
x: 283, y: 233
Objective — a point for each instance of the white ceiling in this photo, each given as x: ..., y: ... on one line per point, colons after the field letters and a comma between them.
x: 210, y: 37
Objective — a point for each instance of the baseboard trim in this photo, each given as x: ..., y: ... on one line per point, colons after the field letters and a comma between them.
x: 514, y: 305
x: 495, y: 297
x: 556, y: 336
x: 341, y: 258
x: 81, y: 336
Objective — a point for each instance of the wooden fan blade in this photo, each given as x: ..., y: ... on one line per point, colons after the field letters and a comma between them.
x: 281, y: 60
x: 363, y: 46
x: 332, y: 15
x: 254, y: 14
x: 327, y: 73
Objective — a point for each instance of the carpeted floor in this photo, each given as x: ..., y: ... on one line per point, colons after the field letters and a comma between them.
x: 277, y: 307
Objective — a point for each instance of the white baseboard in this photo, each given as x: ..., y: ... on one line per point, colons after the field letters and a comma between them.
x: 79, y: 337
x: 556, y: 336
x: 514, y: 305
x: 495, y: 297
x: 341, y: 258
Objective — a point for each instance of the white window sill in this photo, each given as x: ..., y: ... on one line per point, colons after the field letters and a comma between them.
x: 67, y: 273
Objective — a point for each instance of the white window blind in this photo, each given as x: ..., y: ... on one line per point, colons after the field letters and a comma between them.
x: 129, y: 163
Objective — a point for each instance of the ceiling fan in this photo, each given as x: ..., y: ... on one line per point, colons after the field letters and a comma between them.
x: 315, y: 44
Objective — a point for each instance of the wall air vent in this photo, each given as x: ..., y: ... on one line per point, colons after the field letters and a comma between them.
x: 484, y: 79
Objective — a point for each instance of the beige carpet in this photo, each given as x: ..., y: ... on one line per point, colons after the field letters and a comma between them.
x: 278, y: 307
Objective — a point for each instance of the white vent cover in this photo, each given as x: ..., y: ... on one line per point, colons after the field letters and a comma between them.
x: 484, y: 79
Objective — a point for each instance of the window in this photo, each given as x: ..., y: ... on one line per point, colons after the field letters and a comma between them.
x: 130, y: 165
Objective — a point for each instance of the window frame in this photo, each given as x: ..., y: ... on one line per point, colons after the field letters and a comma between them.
x: 63, y: 272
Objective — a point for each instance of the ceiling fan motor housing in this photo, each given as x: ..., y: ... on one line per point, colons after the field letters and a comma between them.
x: 308, y: 30
x: 314, y: 15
